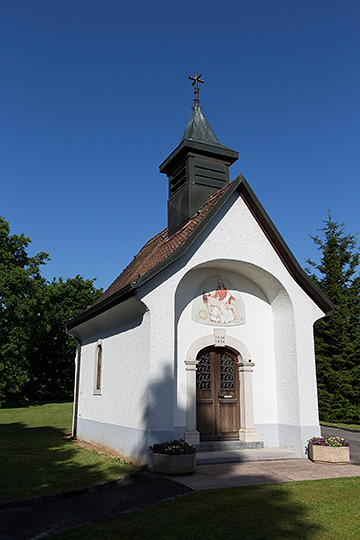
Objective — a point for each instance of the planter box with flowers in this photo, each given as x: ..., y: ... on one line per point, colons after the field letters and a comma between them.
x: 330, y: 450
x: 173, y: 457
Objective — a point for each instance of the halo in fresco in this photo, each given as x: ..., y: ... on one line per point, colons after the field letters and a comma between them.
x: 218, y: 303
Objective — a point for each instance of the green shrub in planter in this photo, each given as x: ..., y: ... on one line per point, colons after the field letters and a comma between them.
x: 173, y: 457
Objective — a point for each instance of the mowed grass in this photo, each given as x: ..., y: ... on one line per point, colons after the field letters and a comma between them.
x: 37, y: 456
x: 317, y: 510
x: 354, y: 427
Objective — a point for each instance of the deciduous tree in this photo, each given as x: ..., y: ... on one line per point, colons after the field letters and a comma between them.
x: 36, y: 355
x: 52, y: 364
x: 21, y: 293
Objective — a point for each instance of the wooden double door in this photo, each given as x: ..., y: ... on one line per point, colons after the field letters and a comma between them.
x: 217, y: 395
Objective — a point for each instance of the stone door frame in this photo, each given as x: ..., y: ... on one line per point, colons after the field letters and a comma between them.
x: 219, y: 338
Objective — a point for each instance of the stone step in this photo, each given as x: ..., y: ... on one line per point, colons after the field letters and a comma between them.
x: 224, y: 446
x: 255, y: 454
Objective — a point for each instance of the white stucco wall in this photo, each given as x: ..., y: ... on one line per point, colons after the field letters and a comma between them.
x: 144, y: 391
x: 278, y: 331
x: 117, y: 418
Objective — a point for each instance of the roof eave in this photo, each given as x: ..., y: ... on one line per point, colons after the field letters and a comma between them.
x: 131, y: 289
x: 123, y: 294
x: 283, y: 251
x: 186, y: 145
x: 269, y: 229
x: 273, y: 235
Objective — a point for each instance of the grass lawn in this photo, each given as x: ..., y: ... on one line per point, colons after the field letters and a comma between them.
x: 355, y: 427
x: 38, y: 458
x: 316, y: 510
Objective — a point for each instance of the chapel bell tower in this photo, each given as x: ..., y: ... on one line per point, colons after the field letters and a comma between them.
x: 197, y: 168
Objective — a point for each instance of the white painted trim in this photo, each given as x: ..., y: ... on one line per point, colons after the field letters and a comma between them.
x: 239, y: 348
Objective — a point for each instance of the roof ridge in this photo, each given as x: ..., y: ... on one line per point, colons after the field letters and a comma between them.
x: 158, y: 248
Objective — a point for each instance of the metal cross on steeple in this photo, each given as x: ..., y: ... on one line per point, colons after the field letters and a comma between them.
x: 195, y: 80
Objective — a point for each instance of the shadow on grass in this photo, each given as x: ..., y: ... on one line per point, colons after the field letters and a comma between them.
x: 37, y: 461
x: 256, y: 512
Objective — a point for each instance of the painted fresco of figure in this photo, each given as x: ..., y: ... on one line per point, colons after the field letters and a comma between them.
x: 228, y: 310
x: 216, y: 304
x: 220, y: 306
x: 213, y: 306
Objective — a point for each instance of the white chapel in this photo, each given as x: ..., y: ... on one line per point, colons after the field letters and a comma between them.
x: 207, y: 335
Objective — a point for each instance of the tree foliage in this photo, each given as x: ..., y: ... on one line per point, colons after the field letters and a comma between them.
x: 36, y: 356
x: 337, y: 337
x: 52, y: 363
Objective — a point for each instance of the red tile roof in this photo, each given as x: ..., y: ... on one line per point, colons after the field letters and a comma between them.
x: 160, y: 247
x: 161, y: 251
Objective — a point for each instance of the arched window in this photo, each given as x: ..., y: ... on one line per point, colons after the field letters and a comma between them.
x: 98, y: 369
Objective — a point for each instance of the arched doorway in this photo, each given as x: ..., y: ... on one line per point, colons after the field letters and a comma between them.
x: 219, y: 340
x: 217, y: 395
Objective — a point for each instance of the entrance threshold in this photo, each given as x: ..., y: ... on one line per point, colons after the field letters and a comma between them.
x: 216, y: 446
x: 247, y: 454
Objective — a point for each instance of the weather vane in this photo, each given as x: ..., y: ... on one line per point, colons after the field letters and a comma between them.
x: 195, y: 80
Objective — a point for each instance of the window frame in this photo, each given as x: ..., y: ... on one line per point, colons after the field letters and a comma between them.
x: 99, y: 356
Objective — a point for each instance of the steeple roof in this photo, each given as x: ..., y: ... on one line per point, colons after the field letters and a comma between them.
x: 198, y: 128
x: 197, y: 168
x: 200, y: 138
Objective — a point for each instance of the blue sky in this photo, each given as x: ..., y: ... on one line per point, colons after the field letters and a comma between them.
x: 94, y: 95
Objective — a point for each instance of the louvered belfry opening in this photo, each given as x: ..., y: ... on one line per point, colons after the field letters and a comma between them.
x: 196, y: 169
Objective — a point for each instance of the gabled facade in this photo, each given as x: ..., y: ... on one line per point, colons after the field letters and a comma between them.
x: 208, y: 333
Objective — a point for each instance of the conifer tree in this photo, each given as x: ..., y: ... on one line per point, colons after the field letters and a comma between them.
x: 337, y: 337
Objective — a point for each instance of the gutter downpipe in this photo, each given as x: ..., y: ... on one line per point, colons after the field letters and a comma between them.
x: 77, y: 383
x: 77, y: 388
